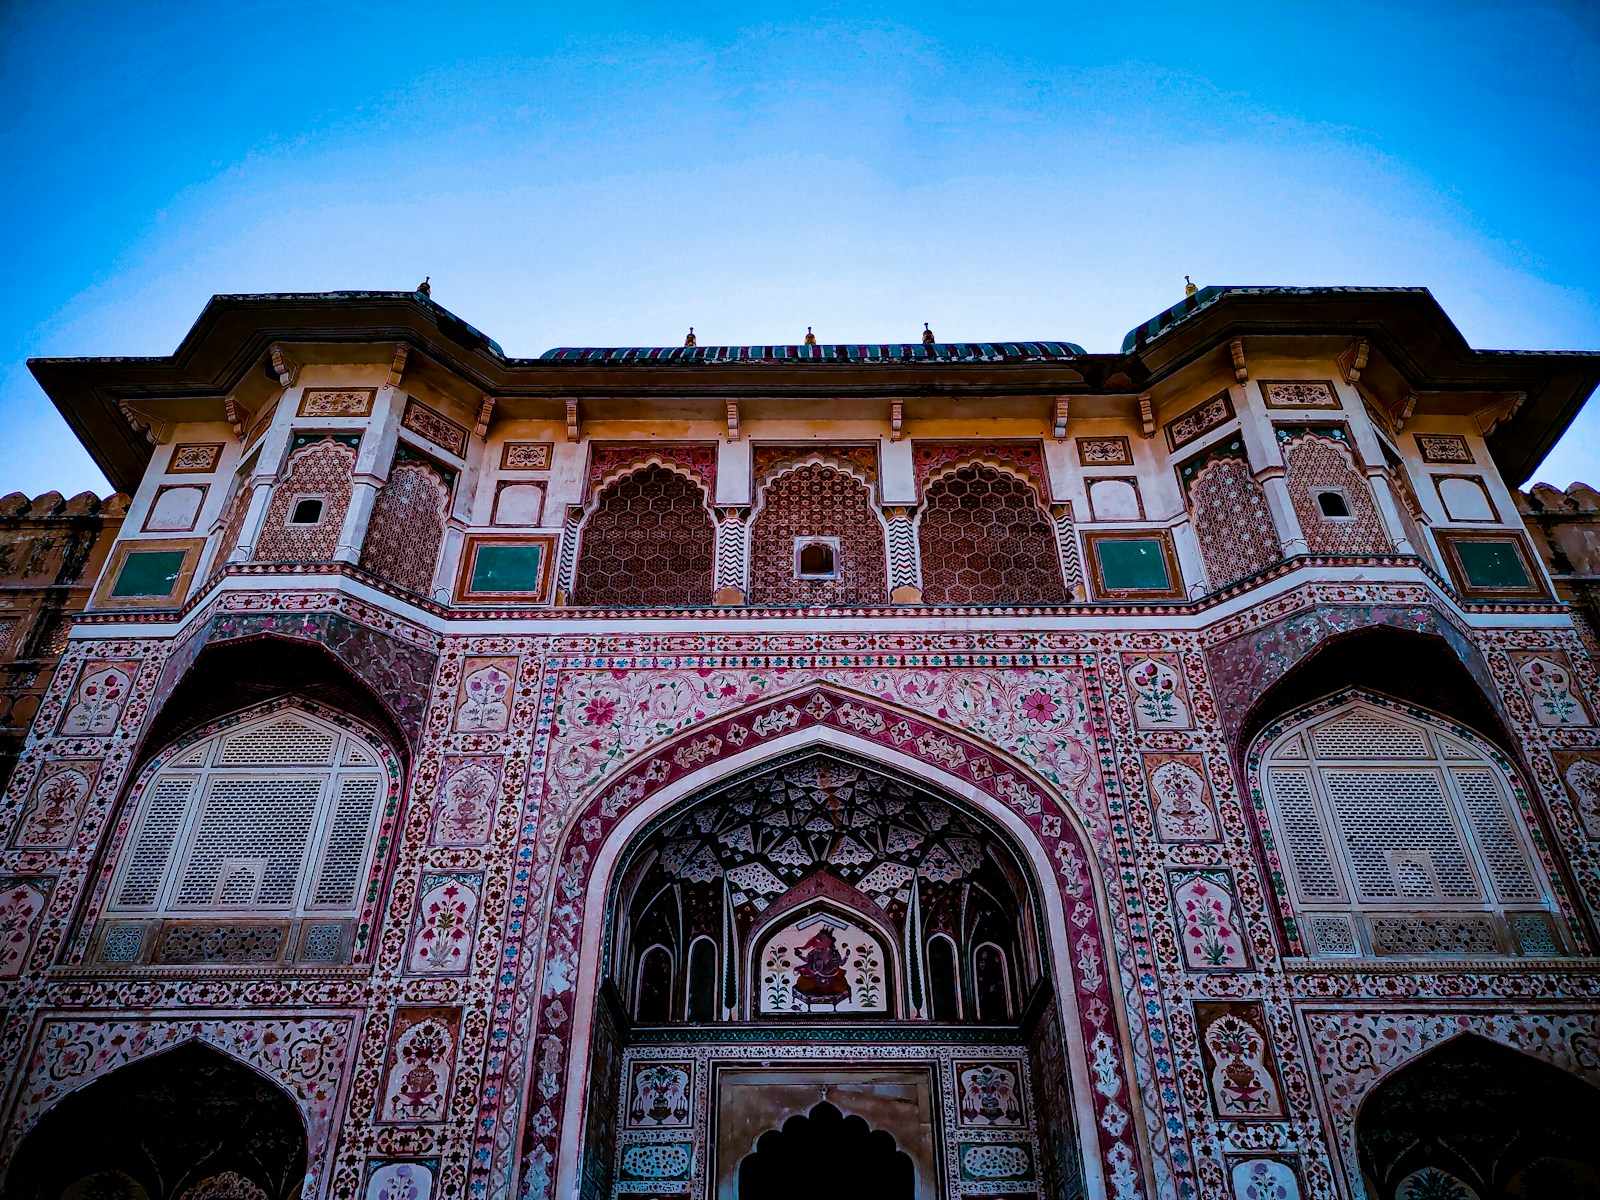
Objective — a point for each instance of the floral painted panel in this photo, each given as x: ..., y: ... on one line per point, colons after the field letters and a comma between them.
x: 1184, y: 809
x: 1208, y: 921
x: 418, y: 1068
x: 989, y: 1095
x: 1239, y: 1062
x: 401, y: 1179
x: 1160, y: 699
x: 484, y: 704
x: 98, y: 699
x: 1547, y: 681
x: 55, y: 804
x: 1264, y: 1179
x: 447, y: 915
x: 464, y: 801
x: 22, y: 903
x: 661, y: 1095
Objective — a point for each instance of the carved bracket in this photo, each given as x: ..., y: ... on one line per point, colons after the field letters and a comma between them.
x: 281, y: 366
x: 238, y: 415
x: 485, y: 414
x: 1236, y: 348
x: 1147, y: 417
x: 897, y: 420
x: 398, y: 367
x: 1058, y: 418
x: 1493, y: 416
x: 572, y: 420
x: 733, y: 421
x: 1354, y: 360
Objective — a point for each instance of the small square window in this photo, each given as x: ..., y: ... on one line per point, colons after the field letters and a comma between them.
x: 152, y: 573
x: 307, y: 511
x: 1333, y: 504
x: 816, y: 558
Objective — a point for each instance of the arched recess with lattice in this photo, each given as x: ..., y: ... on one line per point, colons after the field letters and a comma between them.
x: 817, y: 500
x: 187, y: 1124
x: 406, y: 528
x: 252, y: 839
x: 1474, y: 1118
x: 1390, y: 831
x: 648, y: 542
x: 985, y: 539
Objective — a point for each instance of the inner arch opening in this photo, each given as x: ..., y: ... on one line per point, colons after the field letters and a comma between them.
x: 820, y: 887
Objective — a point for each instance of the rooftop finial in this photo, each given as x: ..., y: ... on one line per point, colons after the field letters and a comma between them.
x: 1189, y: 288
x: 811, y: 338
x: 423, y: 288
x: 927, y: 335
x: 689, y: 341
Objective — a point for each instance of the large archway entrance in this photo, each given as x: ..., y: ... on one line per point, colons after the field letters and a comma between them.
x: 188, y: 1124
x: 1474, y: 1120
x: 824, y: 1151
x: 821, y: 935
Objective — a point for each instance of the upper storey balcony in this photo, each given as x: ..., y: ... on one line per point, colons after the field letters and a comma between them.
x: 1241, y: 437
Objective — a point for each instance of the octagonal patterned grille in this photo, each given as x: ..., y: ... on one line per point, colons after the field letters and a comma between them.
x: 649, y: 543
x: 817, y: 501
x: 986, y: 541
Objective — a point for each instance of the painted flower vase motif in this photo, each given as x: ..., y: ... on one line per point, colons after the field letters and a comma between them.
x: 400, y: 1181
x: 1183, y: 813
x: 1241, y: 1084
x: 419, y: 1072
x: 53, y: 814
x: 466, y: 802
x: 1583, y: 777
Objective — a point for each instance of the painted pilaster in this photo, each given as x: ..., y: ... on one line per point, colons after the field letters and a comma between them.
x: 371, y: 470
x: 733, y: 554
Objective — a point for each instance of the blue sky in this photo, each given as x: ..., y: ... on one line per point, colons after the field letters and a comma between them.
x: 611, y: 174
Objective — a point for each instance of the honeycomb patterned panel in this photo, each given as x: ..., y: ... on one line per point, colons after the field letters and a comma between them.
x: 649, y: 543
x: 986, y: 541
x: 818, y: 501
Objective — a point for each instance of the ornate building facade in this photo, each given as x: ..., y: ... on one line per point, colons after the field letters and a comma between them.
x: 944, y: 770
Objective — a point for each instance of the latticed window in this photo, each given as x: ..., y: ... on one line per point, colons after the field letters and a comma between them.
x: 1398, y: 837
x: 650, y: 542
x: 815, y: 505
x: 273, y: 816
x: 985, y: 540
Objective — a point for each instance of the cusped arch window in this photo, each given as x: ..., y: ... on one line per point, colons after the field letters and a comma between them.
x: 1401, y: 835
x: 820, y: 888
x: 250, y: 844
x: 986, y: 540
x: 649, y: 542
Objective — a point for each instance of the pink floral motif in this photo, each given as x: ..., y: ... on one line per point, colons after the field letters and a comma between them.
x: 1158, y: 701
x: 601, y: 710
x: 483, y: 700
x: 1211, y: 938
x: 20, y: 906
x: 446, y: 914
x: 98, y: 701
x: 1550, y: 689
x: 400, y: 1181
x: 1038, y: 707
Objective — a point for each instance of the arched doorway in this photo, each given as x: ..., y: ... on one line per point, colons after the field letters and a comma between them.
x: 188, y: 1124
x: 1474, y: 1120
x: 824, y: 1151
x: 820, y: 928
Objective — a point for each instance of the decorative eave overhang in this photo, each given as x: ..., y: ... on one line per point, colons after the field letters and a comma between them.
x: 1413, y: 347
x: 228, y: 353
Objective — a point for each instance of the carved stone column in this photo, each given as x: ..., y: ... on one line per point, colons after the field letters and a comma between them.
x: 905, y: 561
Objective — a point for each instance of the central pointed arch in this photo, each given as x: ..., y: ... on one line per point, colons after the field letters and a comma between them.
x: 1049, y: 839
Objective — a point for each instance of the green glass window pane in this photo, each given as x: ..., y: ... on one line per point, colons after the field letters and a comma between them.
x: 149, y: 573
x: 1493, y: 565
x: 1134, y: 564
x: 507, y: 568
